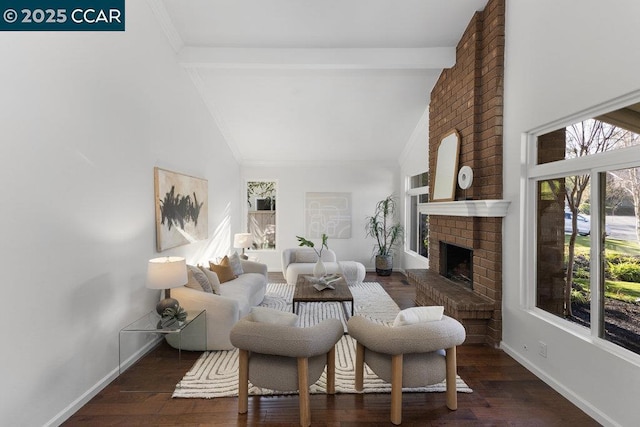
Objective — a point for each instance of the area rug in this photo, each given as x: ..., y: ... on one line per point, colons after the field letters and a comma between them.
x: 215, y: 373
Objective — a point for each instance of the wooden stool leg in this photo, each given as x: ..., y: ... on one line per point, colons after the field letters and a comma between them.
x: 396, y: 389
x: 243, y: 381
x: 303, y: 391
x: 452, y: 395
x: 331, y: 371
x: 359, y: 367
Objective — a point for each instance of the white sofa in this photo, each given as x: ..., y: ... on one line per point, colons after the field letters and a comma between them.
x: 224, y: 309
x: 301, y: 260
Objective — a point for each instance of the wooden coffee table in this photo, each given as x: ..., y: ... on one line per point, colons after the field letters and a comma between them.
x: 305, y: 292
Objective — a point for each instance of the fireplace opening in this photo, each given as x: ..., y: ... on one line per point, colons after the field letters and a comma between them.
x: 456, y: 264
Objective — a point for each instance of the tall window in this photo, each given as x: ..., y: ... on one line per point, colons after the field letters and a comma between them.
x: 261, y: 218
x: 585, y: 182
x: 417, y: 227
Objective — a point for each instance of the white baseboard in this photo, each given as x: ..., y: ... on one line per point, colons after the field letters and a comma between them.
x: 585, y: 406
x: 74, y: 406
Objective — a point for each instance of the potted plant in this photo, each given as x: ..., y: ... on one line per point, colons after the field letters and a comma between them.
x: 319, y: 269
x: 388, y: 233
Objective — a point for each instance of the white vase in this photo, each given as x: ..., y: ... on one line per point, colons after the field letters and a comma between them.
x: 319, y: 270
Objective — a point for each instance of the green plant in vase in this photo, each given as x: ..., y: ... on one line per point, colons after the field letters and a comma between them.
x: 319, y: 269
x: 388, y: 233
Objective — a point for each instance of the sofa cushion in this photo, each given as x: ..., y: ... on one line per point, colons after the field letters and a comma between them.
x: 248, y: 289
x: 306, y: 256
x: 236, y: 265
x: 213, y: 279
x: 198, y: 280
x: 223, y: 270
x: 413, y: 315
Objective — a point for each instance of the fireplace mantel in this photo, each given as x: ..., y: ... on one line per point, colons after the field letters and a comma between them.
x: 468, y: 208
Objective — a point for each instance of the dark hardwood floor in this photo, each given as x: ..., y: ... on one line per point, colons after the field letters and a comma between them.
x: 504, y: 394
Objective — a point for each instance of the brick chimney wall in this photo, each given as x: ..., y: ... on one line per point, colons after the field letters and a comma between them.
x: 469, y: 98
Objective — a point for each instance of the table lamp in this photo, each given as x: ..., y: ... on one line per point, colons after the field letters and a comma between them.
x: 243, y: 240
x: 166, y: 273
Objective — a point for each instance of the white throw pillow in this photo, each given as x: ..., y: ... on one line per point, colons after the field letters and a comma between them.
x: 271, y: 315
x: 306, y: 256
x: 213, y: 279
x: 413, y: 315
x: 197, y: 280
x: 236, y: 265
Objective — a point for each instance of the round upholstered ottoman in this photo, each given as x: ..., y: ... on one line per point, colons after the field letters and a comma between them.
x: 352, y: 271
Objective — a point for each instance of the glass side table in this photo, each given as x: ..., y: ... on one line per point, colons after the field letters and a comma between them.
x: 146, y: 329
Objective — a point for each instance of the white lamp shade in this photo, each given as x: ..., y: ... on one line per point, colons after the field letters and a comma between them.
x: 167, y: 273
x: 242, y: 240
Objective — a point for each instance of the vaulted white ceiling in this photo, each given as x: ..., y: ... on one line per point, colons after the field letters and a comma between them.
x: 308, y: 81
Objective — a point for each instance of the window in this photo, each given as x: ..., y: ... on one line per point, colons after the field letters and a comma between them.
x: 261, y: 219
x: 417, y: 224
x: 586, y: 191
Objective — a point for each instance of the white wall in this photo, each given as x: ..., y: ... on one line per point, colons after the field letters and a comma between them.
x: 562, y: 58
x: 367, y: 183
x: 85, y: 117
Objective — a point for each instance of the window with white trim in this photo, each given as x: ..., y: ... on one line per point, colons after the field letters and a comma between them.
x: 583, y: 195
x: 417, y: 224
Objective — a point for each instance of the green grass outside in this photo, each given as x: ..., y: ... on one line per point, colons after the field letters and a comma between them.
x: 626, y: 291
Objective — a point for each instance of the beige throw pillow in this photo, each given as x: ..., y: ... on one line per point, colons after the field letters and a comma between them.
x: 413, y: 315
x: 223, y: 270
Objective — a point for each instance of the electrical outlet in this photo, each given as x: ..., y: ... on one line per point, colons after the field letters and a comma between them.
x: 542, y: 349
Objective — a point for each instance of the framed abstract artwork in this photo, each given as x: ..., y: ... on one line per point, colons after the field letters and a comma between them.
x: 181, y: 209
x: 328, y: 213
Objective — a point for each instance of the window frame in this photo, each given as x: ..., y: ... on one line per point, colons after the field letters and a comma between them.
x: 594, y: 165
x: 409, y: 211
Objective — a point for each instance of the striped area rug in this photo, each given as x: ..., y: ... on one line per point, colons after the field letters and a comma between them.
x: 215, y: 373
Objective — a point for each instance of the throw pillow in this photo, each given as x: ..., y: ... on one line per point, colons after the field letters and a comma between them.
x: 271, y: 315
x: 413, y: 315
x: 197, y: 280
x: 236, y: 265
x: 306, y: 256
x: 223, y: 270
x: 213, y: 279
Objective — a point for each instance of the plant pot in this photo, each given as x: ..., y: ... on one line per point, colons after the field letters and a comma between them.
x: 384, y: 265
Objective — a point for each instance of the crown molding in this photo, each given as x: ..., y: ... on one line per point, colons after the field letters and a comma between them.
x: 166, y: 24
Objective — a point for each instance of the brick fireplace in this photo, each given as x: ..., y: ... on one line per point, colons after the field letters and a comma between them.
x: 468, y: 98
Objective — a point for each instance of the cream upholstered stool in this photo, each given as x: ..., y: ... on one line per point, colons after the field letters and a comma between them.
x: 352, y: 271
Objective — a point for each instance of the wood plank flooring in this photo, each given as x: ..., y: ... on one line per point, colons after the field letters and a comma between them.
x: 504, y: 394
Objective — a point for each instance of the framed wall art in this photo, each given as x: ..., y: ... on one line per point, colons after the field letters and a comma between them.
x: 181, y: 209
x: 328, y: 213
